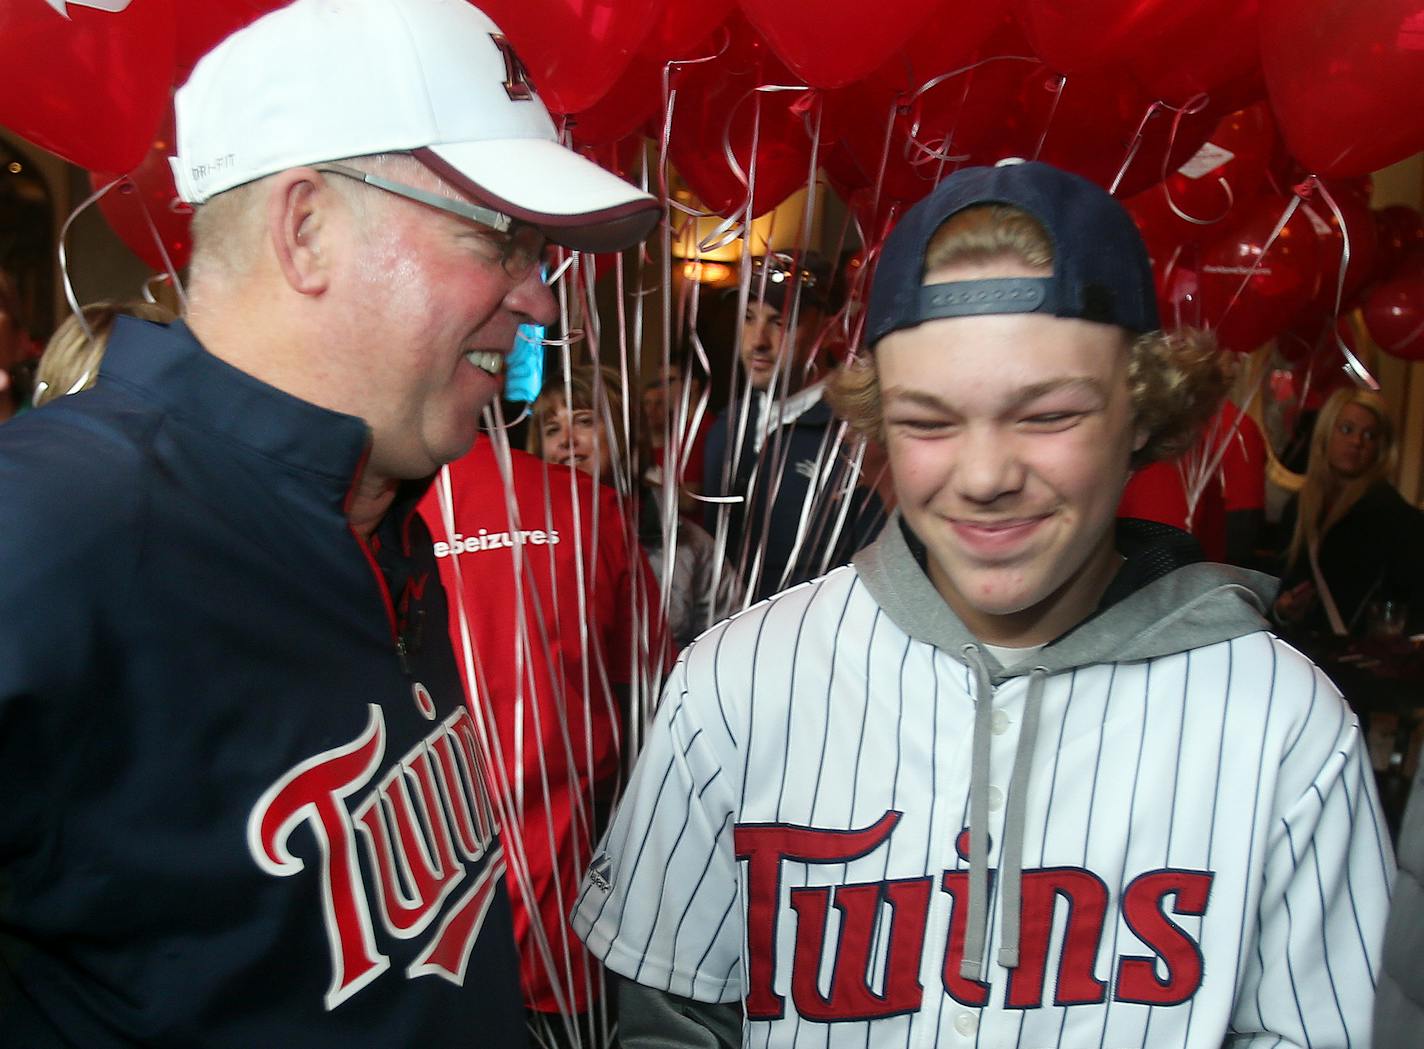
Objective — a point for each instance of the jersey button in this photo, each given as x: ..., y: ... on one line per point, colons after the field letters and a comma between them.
x: 998, y: 723
x: 996, y: 799
x: 966, y: 1024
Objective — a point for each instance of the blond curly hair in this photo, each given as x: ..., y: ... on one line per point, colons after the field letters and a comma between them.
x: 1177, y: 379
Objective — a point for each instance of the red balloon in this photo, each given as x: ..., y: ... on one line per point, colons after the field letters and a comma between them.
x: 573, y: 50
x: 831, y: 43
x: 1360, y: 236
x: 1216, y: 187
x: 1394, y: 315
x: 1284, y: 282
x: 636, y: 96
x: 855, y: 147
x: 1345, y: 78
x: 1187, y: 48
x: 1401, y: 231
x: 1089, y: 123
x: 954, y: 36
x: 204, y: 25
x: 89, y: 85
x: 148, y: 193
x: 980, y: 113
x: 681, y: 27
x: 717, y: 104
x: 1218, y: 55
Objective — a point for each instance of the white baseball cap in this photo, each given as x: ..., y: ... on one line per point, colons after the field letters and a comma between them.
x: 324, y: 80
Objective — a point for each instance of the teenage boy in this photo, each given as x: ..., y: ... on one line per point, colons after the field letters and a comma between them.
x: 1018, y: 775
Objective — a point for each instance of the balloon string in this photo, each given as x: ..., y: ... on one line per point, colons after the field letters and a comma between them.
x: 1354, y: 367
x: 669, y: 105
x: 927, y: 151
x: 163, y: 251
x: 1177, y: 210
x: 1193, y: 106
x: 69, y: 295
x: 1052, y: 112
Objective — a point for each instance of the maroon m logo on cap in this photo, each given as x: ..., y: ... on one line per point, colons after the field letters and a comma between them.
x: 516, y: 78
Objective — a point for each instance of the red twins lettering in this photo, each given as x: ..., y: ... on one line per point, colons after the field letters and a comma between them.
x: 890, y: 917
x: 764, y: 847
x: 428, y: 817
x: 851, y: 995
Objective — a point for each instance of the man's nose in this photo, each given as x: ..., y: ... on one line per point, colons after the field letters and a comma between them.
x: 532, y: 300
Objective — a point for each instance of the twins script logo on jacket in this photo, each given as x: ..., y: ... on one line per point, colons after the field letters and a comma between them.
x: 428, y: 828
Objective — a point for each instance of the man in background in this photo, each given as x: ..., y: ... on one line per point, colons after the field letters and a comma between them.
x: 778, y: 468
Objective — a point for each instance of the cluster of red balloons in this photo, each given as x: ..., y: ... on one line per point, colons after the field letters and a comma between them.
x: 1245, y: 242
x: 1187, y: 109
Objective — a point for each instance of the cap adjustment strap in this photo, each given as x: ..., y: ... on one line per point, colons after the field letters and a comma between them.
x: 972, y: 298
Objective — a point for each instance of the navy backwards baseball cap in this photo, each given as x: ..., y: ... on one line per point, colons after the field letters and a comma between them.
x: 1100, y: 266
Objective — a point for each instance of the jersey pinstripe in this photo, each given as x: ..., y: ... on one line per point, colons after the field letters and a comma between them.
x: 1203, y: 862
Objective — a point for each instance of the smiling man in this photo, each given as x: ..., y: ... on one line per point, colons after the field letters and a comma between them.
x: 1019, y: 775
x: 244, y: 802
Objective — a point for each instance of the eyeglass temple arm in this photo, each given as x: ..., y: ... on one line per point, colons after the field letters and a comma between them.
x: 484, y: 216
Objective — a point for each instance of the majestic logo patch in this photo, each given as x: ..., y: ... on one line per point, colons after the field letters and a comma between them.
x: 427, y: 825
x: 600, y: 872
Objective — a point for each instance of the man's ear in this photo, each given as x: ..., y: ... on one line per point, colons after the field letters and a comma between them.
x: 1140, y: 437
x: 299, y: 219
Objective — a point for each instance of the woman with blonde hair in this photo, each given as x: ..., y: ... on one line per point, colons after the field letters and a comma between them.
x: 70, y: 362
x: 1354, y: 538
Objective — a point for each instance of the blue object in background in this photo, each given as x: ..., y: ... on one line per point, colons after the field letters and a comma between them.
x: 524, y: 367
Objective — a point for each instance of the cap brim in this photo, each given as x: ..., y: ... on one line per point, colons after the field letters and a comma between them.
x: 572, y: 200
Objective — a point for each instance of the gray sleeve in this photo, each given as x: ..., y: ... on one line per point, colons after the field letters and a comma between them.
x: 1399, y: 1001
x: 653, y: 1019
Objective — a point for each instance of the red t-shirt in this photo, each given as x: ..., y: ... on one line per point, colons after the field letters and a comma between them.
x: 1158, y: 492
x: 546, y: 655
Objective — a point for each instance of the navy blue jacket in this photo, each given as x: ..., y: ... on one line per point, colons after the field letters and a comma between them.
x: 241, y: 804
x: 811, y: 480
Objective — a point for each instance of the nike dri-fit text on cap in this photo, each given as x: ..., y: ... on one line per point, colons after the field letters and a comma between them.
x: 1100, y: 266
x: 324, y: 80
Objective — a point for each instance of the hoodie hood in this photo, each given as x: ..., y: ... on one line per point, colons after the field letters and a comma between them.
x: 1164, y: 600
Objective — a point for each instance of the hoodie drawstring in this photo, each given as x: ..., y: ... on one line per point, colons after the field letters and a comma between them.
x: 1011, y: 854
x: 977, y: 928
x: 1011, y: 862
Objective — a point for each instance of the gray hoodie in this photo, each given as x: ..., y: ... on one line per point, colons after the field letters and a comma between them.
x: 1258, y: 756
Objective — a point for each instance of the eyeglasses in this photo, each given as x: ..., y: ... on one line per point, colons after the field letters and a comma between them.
x: 521, y: 246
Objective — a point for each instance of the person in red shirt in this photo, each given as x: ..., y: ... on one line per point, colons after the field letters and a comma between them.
x: 1229, y: 510
x: 546, y: 584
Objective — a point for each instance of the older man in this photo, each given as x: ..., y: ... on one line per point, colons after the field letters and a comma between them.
x: 243, y: 803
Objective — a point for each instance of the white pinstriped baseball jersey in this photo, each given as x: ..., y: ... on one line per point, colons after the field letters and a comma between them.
x: 1203, y: 859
